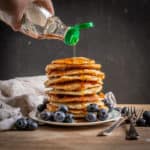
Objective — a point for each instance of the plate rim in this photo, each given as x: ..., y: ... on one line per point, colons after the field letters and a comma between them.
x: 33, y: 116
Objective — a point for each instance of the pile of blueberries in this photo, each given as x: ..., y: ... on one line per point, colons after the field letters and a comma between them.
x: 61, y: 115
x: 26, y: 124
x: 94, y: 113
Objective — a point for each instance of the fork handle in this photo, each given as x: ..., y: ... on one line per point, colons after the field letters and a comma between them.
x: 111, y: 128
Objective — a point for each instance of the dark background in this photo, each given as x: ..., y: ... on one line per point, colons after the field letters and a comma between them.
x: 120, y: 41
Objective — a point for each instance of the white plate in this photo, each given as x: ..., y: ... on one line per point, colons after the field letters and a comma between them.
x: 113, y: 116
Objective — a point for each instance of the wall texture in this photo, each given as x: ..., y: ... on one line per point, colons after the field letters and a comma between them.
x: 120, y: 41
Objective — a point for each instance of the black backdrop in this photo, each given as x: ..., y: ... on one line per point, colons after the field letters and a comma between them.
x: 120, y: 41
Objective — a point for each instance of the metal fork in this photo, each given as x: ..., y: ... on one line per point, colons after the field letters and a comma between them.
x: 134, y: 114
x: 109, y: 130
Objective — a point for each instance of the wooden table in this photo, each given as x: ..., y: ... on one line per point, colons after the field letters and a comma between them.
x: 83, y: 138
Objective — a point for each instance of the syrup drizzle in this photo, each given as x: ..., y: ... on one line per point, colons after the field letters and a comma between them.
x: 74, y: 51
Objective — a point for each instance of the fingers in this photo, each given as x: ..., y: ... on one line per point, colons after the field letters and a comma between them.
x: 15, y: 10
x: 46, y: 4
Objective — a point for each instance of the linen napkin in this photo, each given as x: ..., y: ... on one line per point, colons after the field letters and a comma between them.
x: 18, y: 97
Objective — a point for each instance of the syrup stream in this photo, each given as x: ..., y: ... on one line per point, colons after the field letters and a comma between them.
x: 74, y: 51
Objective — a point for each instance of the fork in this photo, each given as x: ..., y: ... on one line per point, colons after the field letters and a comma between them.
x: 109, y: 130
x: 134, y: 115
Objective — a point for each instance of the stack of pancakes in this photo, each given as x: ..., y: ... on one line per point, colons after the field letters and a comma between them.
x: 75, y: 82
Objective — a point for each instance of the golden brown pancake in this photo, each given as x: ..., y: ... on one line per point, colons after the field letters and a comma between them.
x: 62, y: 67
x: 78, y: 105
x: 75, y: 86
x: 76, y: 72
x: 66, y: 98
x: 74, y: 60
x: 63, y: 79
x: 81, y: 92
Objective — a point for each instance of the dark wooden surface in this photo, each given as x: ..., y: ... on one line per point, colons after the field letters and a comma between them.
x: 69, y: 138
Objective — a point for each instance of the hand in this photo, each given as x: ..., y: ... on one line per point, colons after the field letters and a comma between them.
x: 11, y: 11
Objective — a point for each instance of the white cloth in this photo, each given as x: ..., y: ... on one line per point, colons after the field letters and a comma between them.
x: 18, y: 97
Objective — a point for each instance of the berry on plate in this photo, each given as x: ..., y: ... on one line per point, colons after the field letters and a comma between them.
x: 45, y: 115
x: 102, y: 114
x: 91, y: 117
x: 63, y: 108
x: 92, y: 108
x: 68, y: 118
x: 41, y: 107
x: 59, y: 116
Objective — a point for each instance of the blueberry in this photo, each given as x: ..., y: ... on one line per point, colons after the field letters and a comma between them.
x: 124, y: 110
x: 59, y: 116
x: 31, y: 124
x: 92, y: 108
x: 141, y: 122
x: 148, y: 123
x: 146, y: 116
x: 102, y: 114
x: 91, y: 117
x: 45, y: 115
x: 21, y: 124
x: 51, y: 116
x: 41, y: 107
x: 63, y: 108
x: 68, y: 118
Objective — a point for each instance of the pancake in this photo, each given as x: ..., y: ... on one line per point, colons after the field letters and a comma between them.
x: 63, y: 79
x: 76, y: 72
x: 77, y: 113
x: 73, y: 60
x: 81, y: 92
x: 78, y: 105
x: 74, y: 86
x: 66, y: 98
x: 63, y: 67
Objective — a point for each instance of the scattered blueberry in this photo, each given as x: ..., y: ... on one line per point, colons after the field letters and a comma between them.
x: 146, y: 115
x: 59, y: 116
x: 141, y: 122
x: 45, y: 115
x: 91, y: 117
x: 68, y: 118
x: 102, y: 114
x: 31, y: 125
x: 63, y: 108
x: 92, y: 108
x: 21, y: 124
x: 41, y: 107
x: 148, y: 123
